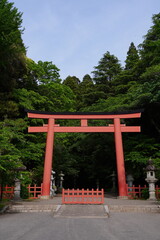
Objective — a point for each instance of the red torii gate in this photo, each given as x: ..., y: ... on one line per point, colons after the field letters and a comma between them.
x: 52, y: 128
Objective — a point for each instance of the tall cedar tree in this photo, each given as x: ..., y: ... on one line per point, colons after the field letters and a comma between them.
x: 132, y: 57
x: 150, y: 48
x: 12, y: 50
x: 108, y: 68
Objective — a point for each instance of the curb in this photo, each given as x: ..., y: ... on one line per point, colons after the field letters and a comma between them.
x: 131, y: 208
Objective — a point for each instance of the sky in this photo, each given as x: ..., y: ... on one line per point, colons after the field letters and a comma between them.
x: 75, y: 34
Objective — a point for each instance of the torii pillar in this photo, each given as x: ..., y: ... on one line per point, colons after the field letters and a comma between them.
x: 117, y: 128
x: 120, y: 159
x: 48, y: 159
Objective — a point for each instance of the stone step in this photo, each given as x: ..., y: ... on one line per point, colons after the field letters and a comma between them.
x: 135, y: 208
x: 109, y: 208
x: 32, y: 208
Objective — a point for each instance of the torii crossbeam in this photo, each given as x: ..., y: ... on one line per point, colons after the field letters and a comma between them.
x: 52, y: 128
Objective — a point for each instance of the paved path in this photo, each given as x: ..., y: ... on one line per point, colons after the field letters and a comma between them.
x: 82, y: 211
x: 45, y: 226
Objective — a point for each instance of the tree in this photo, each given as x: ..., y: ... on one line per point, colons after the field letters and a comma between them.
x: 87, y: 92
x: 132, y: 57
x: 12, y: 49
x: 72, y: 82
x: 150, y: 48
x: 121, y: 82
x: 49, y: 72
x: 8, y: 107
x: 108, y: 67
x: 30, y: 78
x: 39, y: 73
x: 104, y: 74
x: 10, y: 154
x: 58, y: 97
x: 49, y: 97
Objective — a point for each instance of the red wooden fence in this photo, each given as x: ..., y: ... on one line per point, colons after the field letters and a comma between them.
x: 157, y: 192
x: 76, y: 196
x: 137, y: 192
x: 7, y: 192
x: 34, y: 191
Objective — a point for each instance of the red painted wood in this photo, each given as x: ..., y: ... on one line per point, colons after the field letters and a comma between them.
x: 34, y: 191
x: 120, y: 159
x: 84, y: 122
x: 85, y: 129
x: 135, y: 192
x: 48, y: 158
x: 157, y: 192
x: 76, y: 196
x: 7, y: 192
x: 92, y: 116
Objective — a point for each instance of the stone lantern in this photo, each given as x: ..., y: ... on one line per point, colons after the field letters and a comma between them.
x: 113, y: 175
x: 52, y: 186
x: 61, y: 175
x: 130, y: 180
x: 17, y: 188
x: 150, y: 179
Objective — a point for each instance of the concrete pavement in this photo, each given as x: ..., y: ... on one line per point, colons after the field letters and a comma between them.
x: 49, y: 219
x: 40, y: 226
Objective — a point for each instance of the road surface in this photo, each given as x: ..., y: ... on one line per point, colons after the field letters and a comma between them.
x: 62, y: 226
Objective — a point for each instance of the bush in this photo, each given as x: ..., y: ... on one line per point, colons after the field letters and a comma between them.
x: 24, y: 192
x: 145, y: 193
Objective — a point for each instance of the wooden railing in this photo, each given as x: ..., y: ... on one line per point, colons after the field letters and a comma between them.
x: 76, y: 196
x: 34, y: 191
x: 7, y: 192
x: 135, y: 192
x: 139, y: 192
x: 72, y: 196
x: 157, y: 192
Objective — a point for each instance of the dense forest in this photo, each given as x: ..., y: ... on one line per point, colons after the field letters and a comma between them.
x: 86, y: 159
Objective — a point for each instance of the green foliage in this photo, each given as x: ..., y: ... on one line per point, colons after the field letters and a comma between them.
x: 24, y: 192
x: 49, y: 73
x: 85, y: 159
x: 150, y: 48
x: 132, y: 57
x: 10, y: 154
x: 104, y: 74
x: 8, y: 107
x: 108, y: 67
x: 145, y: 193
x: 29, y: 99
x: 73, y: 83
x: 12, y: 50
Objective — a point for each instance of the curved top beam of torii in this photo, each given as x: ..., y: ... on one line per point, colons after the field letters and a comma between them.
x: 84, y: 115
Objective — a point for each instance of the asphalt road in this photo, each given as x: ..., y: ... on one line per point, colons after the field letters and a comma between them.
x: 45, y: 226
